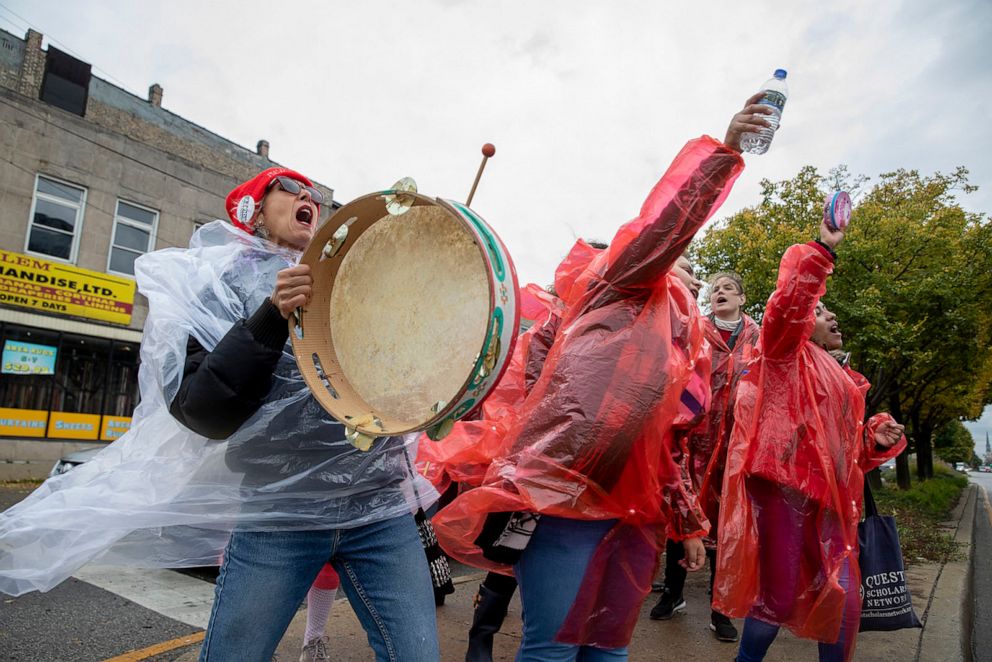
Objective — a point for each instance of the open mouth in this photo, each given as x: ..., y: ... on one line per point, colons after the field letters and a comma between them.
x: 695, y: 292
x: 721, y: 299
x: 305, y: 214
x: 835, y: 328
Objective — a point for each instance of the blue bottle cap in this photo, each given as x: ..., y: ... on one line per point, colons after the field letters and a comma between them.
x: 781, y: 73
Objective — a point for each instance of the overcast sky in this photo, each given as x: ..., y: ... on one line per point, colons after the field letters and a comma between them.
x: 586, y: 102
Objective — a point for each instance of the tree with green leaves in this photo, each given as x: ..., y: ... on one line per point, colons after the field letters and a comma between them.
x: 953, y: 443
x: 911, y: 288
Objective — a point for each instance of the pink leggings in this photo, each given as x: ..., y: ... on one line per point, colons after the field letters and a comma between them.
x: 787, y: 525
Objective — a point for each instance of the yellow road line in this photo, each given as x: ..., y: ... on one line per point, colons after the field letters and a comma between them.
x: 988, y: 506
x: 158, y: 649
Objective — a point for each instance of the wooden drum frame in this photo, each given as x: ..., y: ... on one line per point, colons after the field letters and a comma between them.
x: 312, y: 332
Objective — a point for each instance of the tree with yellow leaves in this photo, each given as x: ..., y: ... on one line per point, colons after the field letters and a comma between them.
x: 912, y: 288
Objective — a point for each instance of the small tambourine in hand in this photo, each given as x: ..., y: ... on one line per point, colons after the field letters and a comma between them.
x: 837, y: 210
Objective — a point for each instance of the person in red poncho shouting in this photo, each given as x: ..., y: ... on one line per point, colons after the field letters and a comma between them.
x: 584, y: 485
x: 788, y: 544
x: 732, y: 336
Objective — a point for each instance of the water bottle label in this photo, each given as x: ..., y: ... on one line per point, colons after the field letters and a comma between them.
x: 774, y: 99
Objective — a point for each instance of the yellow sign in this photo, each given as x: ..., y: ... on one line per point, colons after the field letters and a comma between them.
x: 114, y: 427
x: 32, y: 282
x: 63, y: 425
x: 23, y: 422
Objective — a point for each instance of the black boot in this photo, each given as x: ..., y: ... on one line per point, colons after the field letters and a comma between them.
x: 490, y: 610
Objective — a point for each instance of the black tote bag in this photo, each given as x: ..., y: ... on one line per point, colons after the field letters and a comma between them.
x: 886, y: 603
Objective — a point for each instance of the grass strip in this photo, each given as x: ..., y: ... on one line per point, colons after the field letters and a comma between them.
x: 920, y: 511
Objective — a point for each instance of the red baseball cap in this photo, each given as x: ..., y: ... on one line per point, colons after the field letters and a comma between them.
x: 246, y: 197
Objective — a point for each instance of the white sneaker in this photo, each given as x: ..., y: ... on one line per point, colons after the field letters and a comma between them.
x: 315, y: 651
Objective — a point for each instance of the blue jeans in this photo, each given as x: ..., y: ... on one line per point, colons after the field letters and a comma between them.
x: 266, y: 575
x: 550, y: 572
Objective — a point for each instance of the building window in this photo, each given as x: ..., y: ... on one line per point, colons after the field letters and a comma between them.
x: 26, y: 389
x: 59, y: 385
x: 56, y: 216
x: 134, y: 235
x: 81, y: 374
x: 66, y: 82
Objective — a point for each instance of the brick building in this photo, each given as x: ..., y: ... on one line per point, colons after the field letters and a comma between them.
x: 91, y: 177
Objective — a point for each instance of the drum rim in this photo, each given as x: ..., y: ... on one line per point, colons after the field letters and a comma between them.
x: 312, y: 256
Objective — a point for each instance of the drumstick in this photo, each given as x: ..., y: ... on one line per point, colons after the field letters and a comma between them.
x: 487, y: 150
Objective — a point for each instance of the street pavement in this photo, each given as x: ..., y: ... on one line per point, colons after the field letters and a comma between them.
x: 981, y: 571
x: 79, y: 621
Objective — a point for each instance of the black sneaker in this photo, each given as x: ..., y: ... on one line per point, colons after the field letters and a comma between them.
x: 658, y: 586
x: 722, y: 627
x: 667, y: 606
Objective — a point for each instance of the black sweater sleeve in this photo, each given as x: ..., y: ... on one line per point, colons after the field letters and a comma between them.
x: 223, y: 388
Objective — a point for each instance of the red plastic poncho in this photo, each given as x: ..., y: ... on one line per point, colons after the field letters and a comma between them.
x: 593, y: 439
x: 795, y: 469
x: 465, y: 454
x: 707, y: 444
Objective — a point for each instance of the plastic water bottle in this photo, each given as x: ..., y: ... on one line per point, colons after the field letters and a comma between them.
x: 776, y: 92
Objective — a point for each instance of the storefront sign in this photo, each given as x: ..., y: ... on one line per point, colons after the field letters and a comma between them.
x: 63, y: 425
x: 114, y: 427
x: 24, y: 358
x: 31, y: 282
x: 23, y: 422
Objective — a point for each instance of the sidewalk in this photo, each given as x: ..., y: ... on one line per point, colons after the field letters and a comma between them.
x: 939, y: 593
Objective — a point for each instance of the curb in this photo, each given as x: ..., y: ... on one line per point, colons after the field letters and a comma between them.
x: 945, y: 633
x: 980, y: 584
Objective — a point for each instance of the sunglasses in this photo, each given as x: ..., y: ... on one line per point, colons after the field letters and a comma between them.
x: 294, y: 187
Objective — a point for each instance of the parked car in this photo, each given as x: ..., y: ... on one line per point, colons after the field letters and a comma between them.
x: 72, y: 460
x: 985, y: 469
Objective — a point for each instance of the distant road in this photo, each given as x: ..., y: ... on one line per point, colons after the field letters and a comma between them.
x: 981, y: 568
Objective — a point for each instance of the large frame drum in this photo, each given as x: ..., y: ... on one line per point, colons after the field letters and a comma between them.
x: 413, y: 317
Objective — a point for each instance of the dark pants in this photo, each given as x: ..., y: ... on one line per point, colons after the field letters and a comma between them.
x: 675, y: 574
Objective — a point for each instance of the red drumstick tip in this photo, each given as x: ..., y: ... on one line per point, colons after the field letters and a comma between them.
x: 488, y: 150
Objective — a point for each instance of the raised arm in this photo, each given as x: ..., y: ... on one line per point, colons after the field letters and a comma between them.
x: 802, y: 279
x: 690, y: 191
x: 694, y: 186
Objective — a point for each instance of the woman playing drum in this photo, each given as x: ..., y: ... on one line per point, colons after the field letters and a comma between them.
x: 266, y: 574
x: 283, y: 494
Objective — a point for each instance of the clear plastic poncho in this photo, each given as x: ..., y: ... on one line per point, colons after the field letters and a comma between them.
x: 798, y: 453
x: 594, y: 438
x: 164, y: 496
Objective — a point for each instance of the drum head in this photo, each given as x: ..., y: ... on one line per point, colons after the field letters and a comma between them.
x: 413, y: 316
x: 409, y: 312
x: 405, y: 327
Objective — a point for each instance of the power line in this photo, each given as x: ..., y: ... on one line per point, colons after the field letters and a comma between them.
x: 123, y: 87
x: 13, y: 27
x: 119, y: 153
x: 63, y: 46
